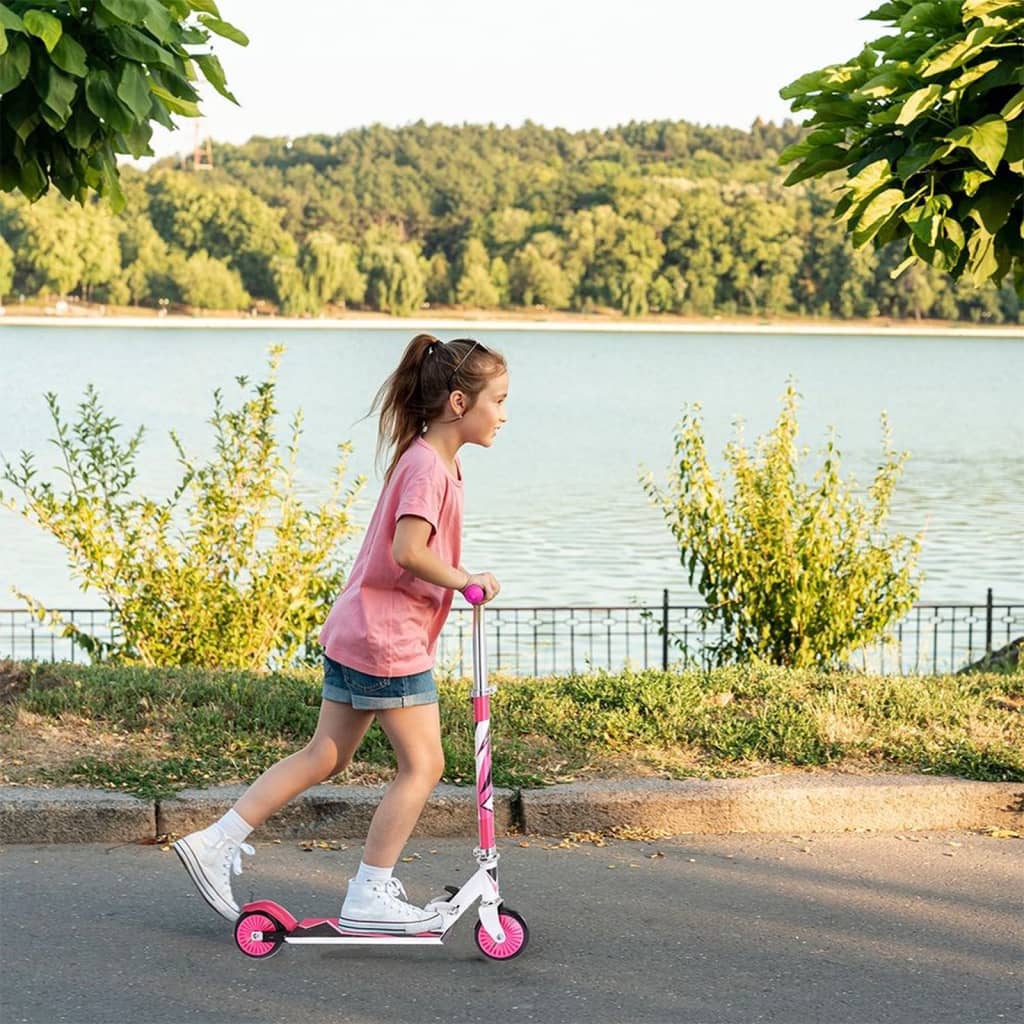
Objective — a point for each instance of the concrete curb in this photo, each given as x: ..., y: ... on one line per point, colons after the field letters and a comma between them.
x: 797, y: 802
x: 342, y: 811
x: 789, y: 802
x: 73, y: 816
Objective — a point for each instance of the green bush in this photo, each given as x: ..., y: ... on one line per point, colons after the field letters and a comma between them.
x: 240, y: 575
x: 798, y: 575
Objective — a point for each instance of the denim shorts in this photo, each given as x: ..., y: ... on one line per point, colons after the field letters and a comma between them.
x: 375, y: 693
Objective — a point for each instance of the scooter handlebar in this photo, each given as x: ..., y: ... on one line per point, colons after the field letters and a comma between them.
x: 474, y: 594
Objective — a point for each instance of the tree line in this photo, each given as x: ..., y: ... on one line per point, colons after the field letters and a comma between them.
x: 648, y: 217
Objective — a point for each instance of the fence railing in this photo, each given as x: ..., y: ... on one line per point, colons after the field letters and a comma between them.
x: 932, y: 638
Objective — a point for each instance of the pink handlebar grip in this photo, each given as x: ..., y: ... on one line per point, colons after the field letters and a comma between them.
x: 474, y: 593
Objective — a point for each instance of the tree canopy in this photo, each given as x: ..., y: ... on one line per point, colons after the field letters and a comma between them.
x: 927, y: 124
x: 653, y: 217
x: 82, y: 83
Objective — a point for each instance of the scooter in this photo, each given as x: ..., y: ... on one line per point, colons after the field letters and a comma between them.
x: 501, y: 934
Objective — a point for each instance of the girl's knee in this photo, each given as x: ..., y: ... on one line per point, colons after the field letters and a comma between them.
x: 324, y: 758
x: 428, y: 769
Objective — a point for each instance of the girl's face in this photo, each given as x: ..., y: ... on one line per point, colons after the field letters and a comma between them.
x: 480, y: 425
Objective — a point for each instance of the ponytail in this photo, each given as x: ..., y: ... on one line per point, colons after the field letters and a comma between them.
x: 417, y: 392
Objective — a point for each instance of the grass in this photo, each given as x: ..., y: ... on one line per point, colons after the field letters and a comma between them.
x: 152, y: 732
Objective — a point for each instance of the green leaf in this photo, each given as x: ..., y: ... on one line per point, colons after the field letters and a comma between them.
x: 920, y: 155
x: 174, y: 104
x: 952, y: 230
x: 921, y: 12
x: 161, y: 24
x: 60, y: 91
x: 14, y: 64
x: 873, y: 214
x: 885, y: 83
x: 225, y: 29
x: 174, y: 83
x: 211, y: 68
x: 159, y: 113
x: 24, y: 127
x: 133, y: 90
x: 926, y: 220
x: 33, y: 181
x: 101, y: 96
x: 820, y: 137
x: 918, y: 102
x: 1013, y: 106
x: 1015, y: 152
x: 69, y: 56
x: 136, y: 141
x: 981, y: 8
x: 981, y: 257
x: 971, y: 181
x: 908, y: 262
x: 130, y: 11
x: 208, y: 6
x: 811, y: 82
x: 9, y: 20
x: 80, y: 128
x: 991, y: 207
x: 869, y: 178
x: 111, y: 183
x: 986, y: 139
x: 130, y: 42
x: 44, y: 26
x: 3, y: 41
x: 972, y: 75
x: 888, y: 11
x: 825, y: 159
x: 960, y: 52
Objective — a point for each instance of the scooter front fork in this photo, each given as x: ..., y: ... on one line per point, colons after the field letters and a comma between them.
x: 482, y: 886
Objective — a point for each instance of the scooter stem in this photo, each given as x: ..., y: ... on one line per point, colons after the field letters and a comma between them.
x: 482, y: 718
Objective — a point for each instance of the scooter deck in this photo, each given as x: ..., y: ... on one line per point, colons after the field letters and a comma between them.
x: 324, y: 929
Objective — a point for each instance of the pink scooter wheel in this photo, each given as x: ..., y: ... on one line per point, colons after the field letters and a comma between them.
x: 249, y: 931
x: 517, y: 935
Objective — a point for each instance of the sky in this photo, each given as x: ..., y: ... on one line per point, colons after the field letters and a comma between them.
x: 327, y: 67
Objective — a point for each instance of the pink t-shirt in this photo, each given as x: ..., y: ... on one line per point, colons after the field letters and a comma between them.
x: 386, y: 621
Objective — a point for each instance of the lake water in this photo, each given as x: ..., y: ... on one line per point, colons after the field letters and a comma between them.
x: 555, y: 508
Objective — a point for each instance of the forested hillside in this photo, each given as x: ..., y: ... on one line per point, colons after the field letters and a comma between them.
x: 644, y: 218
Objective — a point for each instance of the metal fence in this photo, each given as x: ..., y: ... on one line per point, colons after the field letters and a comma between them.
x: 933, y: 638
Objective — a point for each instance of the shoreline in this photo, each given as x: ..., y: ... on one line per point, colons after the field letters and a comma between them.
x: 490, y: 322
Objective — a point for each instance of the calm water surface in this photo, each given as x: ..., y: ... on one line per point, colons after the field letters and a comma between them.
x: 555, y: 508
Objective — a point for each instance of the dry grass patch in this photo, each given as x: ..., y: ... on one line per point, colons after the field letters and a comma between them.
x: 36, y: 748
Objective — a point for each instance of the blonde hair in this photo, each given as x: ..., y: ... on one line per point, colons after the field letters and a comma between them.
x: 417, y: 392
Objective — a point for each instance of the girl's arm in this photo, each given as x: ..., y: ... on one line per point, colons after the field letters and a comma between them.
x: 410, y: 551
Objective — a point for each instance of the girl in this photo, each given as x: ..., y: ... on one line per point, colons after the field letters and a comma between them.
x: 380, y: 635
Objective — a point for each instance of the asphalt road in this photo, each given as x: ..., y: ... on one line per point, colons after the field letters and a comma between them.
x: 865, y: 928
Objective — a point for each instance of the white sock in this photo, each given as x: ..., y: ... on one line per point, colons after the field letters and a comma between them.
x: 234, y: 826
x: 368, y: 873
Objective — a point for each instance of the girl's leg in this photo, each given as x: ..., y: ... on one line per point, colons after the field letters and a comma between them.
x: 415, y: 735
x: 339, y: 732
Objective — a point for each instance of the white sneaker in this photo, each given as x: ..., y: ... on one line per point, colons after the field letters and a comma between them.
x: 209, y: 857
x: 381, y: 907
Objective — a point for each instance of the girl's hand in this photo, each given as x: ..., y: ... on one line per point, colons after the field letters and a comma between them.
x: 490, y: 586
